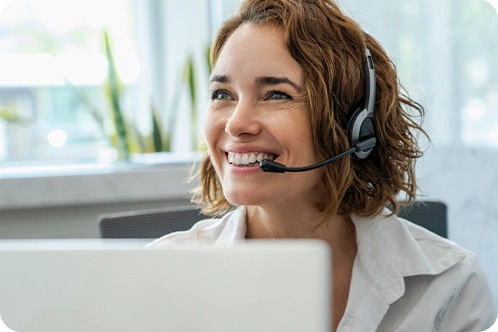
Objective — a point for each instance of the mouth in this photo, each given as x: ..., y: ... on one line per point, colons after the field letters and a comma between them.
x: 249, y: 159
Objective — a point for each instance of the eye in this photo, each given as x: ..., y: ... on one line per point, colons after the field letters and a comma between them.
x: 278, y: 95
x: 219, y: 94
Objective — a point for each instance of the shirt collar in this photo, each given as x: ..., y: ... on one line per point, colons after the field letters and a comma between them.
x: 391, y: 249
x: 234, y: 229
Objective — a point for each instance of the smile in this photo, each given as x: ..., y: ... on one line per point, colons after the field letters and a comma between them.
x: 248, y: 159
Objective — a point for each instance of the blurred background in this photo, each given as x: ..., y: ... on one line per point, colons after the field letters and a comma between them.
x: 102, y: 104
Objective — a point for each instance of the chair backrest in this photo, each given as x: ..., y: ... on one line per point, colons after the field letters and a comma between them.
x: 428, y: 214
x: 158, y: 222
x: 148, y: 223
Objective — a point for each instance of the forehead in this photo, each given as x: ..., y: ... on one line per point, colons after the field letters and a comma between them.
x: 257, y: 50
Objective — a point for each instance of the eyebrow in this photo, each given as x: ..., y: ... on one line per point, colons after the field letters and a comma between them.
x: 262, y: 80
x: 272, y: 80
x: 219, y: 79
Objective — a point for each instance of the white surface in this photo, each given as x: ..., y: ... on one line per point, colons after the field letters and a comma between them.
x: 72, y: 244
x: 257, y: 286
x: 150, y: 178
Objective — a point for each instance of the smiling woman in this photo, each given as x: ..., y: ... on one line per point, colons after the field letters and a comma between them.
x: 296, y: 82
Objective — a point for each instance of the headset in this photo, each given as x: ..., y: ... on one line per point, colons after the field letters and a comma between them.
x: 361, y: 129
x: 361, y: 125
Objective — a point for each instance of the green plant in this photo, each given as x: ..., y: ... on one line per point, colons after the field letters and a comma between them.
x: 189, y: 79
x: 126, y: 138
x: 114, y: 94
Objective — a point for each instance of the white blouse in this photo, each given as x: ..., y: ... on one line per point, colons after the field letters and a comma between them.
x: 405, y: 278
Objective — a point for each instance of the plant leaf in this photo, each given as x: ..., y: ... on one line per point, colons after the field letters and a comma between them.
x: 190, y: 77
x: 208, y: 59
x: 156, y: 131
x: 114, y: 95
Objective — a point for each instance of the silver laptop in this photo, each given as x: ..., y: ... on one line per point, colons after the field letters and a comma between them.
x: 255, y: 286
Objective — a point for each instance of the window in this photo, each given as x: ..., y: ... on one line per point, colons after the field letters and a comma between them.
x: 53, y: 102
x: 476, y: 64
x: 445, y: 52
x: 54, y: 106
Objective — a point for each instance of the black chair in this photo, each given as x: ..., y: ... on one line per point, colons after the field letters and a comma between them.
x: 158, y: 222
x: 432, y: 215
x: 148, y: 223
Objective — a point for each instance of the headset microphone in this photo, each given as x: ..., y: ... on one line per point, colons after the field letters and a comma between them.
x: 274, y: 167
x: 361, y: 129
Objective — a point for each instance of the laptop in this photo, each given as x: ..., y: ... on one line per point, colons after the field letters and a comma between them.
x: 107, y: 286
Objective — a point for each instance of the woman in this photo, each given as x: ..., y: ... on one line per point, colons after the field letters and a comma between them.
x: 298, y: 82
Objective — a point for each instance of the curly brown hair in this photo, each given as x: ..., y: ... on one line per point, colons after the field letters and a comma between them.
x: 330, y: 47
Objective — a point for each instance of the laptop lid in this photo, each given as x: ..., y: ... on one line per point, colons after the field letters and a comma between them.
x: 254, y: 286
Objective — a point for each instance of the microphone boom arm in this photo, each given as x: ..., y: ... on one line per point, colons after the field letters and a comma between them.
x: 274, y: 167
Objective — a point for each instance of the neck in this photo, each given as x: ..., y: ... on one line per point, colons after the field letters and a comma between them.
x: 300, y: 222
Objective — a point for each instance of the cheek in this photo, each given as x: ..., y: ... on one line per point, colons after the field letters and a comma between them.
x: 297, y: 133
x: 213, y: 129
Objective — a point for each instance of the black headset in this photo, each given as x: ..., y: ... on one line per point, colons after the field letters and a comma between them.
x: 361, y: 124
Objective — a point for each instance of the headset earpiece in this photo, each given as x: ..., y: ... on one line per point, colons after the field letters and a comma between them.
x: 361, y: 124
x: 361, y: 127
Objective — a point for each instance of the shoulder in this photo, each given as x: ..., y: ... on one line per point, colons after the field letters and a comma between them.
x: 394, y: 244
x: 439, y: 284
x: 470, y: 306
x: 449, y: 280
x: 226, y: 229
x: 456, y: 299
x: 441, y: 252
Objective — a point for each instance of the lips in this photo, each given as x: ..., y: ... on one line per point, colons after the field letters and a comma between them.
x: 248, y: 159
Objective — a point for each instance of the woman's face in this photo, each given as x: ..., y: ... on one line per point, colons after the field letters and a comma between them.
x: 257, y: 111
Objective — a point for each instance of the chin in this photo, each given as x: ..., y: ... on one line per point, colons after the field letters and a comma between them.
x: 245, y: 199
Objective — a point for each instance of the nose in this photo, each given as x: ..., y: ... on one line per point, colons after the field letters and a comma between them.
x: 244, y: 120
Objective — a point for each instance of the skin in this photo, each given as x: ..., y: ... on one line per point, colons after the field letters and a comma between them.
x: 257, y: 105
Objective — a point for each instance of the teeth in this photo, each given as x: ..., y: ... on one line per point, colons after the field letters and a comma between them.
x: 247, y: 159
